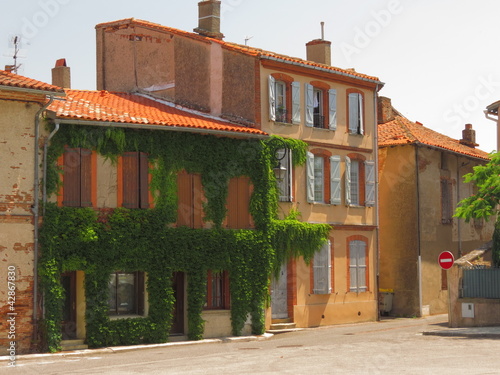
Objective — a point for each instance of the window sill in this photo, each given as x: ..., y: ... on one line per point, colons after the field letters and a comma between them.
x: 284, y: 123
x: 132, y: 316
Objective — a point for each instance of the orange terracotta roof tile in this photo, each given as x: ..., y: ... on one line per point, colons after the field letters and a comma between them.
x: 251, y: 51
x: 401, y: 131
x: 126, y: 108
x: 14, y: 80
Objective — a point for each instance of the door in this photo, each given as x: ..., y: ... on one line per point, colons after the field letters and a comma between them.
x: 68, y: 281
x: 279, y: 292
x: 178, y: 313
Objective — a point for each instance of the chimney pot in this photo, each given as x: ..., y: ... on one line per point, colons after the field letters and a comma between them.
x: 61, y: 74
x: 209, y: 19
x: 469, y: 136
x: 385, y: 113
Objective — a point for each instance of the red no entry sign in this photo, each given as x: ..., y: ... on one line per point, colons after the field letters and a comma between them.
x: 446, y: 260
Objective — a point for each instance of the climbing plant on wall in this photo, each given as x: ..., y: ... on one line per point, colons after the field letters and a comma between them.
x: 100, y: 242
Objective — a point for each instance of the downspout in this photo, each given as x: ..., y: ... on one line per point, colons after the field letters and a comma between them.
x: 459, y: 232
x: 35, y: 210
x: 377, y: 234
x: 418, y: 231
x: 45, y: 150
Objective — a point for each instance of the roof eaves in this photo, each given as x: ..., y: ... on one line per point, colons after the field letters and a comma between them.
x: 32, y: 91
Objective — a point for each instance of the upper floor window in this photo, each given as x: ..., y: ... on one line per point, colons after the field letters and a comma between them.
x: 126, y: 293
x: 77, y: 177
x: 284, y: 175
x: 321, y: 106
x: 135, y: 180
x: 284, y: 99
x: 238, y: 203
x: 355, y: 113
x: 189, y: 200
x: 446, y: 201
x: 359, y: 181
x: 323, y: 178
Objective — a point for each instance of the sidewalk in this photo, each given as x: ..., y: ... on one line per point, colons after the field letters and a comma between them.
x: 116, y: 349
x: 469, y: 332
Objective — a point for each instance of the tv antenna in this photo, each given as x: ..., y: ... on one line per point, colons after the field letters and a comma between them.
x: 247, y: 38
x: 16, y: 50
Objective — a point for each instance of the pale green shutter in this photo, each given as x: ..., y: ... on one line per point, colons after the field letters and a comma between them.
x: 332, y: 100
x: 310, y: 177
x: 295, y: 102
x: 272, y: 98
x: 335, y: 180
x: 370, y: 183
x: 322, y: 270
x: 309, y: 105
x: 347, y: 177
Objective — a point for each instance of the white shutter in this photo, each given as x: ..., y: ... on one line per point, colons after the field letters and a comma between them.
x: 353, y: 113
x: 272, y: 98
x: 332, y: 100
x: 360, y: 112
x: 322, y: 270
x: 310, y: 177
x: 309, y: 105
x: 335, y: 181
x: 295, y: 102
x: 370, y: 183
x: 347, y: 177
x: 285, y: 185
x: 362, y: 287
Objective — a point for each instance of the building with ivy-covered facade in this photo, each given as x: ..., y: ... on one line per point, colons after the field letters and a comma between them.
x: 332, y: 110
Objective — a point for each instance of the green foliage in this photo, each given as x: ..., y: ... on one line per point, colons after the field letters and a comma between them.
x: 496, y: 245
x: 485, y: 202
x: 99, y: 243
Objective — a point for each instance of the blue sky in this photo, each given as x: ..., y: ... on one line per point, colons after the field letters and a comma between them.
x: 438, y: 58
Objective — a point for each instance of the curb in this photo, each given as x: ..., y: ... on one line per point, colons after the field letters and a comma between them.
x: 462, y: 333
x: 117, y: 349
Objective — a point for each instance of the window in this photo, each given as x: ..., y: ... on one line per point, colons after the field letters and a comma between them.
x: 357, y: 266
x: 126, y: 293
x: 321, y: 168
x: 446, y: 201
x: 135, y: 175
x: 321, y: 105
x: 322, y: 270
x: 285, y: 183
x: 355, y: 113
x: 77, y: 177
x: 284, y: 99
x: 359, y: 181
x: 217, y: 291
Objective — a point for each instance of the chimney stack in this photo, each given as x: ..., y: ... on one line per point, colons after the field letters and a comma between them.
x: 469, y: 136
x: 320, y: 50
x: 10, y: 68
x: 385, y: 112
x: 61, y: 74
x: 209, y: 19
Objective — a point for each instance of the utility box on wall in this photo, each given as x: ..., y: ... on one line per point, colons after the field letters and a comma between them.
x: 385, y: 301
x: 467, y: 310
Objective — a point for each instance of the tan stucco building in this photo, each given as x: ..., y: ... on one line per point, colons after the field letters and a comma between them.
x: 421, y: 181
x: 333, y: 110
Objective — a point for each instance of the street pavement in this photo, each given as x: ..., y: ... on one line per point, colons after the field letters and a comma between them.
x: 391, y: 346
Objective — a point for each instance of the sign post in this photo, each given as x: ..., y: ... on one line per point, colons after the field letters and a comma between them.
x: 446, y: 260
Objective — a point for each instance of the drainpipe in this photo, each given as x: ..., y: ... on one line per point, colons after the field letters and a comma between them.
x: 35, y: 210
x: 377, y: 235
x: 418, y: 232
x: 45, y: 149
x: 459, y: 229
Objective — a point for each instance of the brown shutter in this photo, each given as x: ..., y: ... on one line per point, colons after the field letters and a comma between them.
x: 130, y: 162
x: 184, y: 200
x: 85, y: 178
x: 71, y: 177
x: 197, y: 201
x: 232, y: 204
x: 243, y: 202
x: 143, y: 180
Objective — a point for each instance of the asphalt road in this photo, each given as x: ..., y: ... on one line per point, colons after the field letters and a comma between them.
x: 394, y: 346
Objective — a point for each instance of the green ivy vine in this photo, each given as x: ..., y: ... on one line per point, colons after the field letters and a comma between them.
x: 99, y: 242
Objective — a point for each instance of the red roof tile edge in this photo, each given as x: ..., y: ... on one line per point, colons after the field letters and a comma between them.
x: 14, y: 80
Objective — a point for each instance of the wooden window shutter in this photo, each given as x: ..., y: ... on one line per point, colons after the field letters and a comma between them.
x: 309, y: 105
x: 272, y: 98
x: 370, y: 183
x: 143, y: 180
x: 361, y: 122
x: 86, y: 178
x: 335, y: 180
x: 310, y: 177
x: 347, y: 176
x: 353, y: 113
x: 332, y: 109
x: 322, y: 268
x: 295, y: 102
x: 243, y: 202
x: 71, y: 177
x: 130, y: 179
x: 185, y: 199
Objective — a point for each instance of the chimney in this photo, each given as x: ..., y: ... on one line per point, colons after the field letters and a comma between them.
x: 320, y: 50
x: 61, y: 74
x: 209, y: 19
x: 385, y: 112
x: 10, y: 68
x: 469, y: 136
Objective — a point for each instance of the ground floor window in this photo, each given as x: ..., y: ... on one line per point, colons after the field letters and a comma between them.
x: 126, y: 293
x: 217, y: 291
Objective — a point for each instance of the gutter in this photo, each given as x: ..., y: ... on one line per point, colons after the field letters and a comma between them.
x: 35, y: 210
x: 162, y: 127
x: 32, y: 91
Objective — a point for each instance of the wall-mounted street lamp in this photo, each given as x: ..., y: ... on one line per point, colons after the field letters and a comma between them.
x: 280, y: 154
